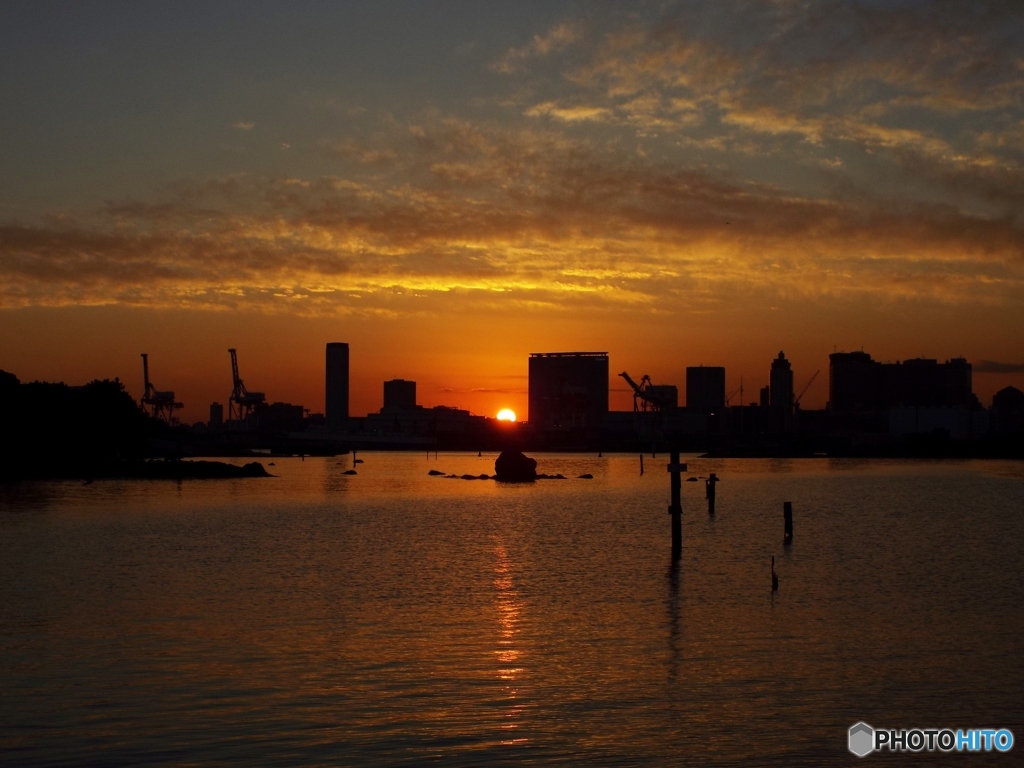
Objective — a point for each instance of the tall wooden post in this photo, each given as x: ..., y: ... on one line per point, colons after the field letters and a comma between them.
x: 675, y: 509
x: 709, y: 492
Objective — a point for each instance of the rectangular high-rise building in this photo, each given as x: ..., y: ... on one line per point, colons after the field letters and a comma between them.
x: 858, y: 383
x: 705, y: 388
x: 399, y: 393
x: 568, y: 390
x: 854, y: 382
x: 336, y: 400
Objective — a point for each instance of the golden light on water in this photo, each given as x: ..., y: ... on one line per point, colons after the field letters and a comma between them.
x: 506, y: 414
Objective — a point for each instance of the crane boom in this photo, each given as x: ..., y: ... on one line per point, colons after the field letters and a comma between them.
x: 807, y: 386
x: 238, y: 388
x: 633, y: 384
x: 145, y: 375
x: 162, y: 403
x: 242, y: 402
x: 647, y: 393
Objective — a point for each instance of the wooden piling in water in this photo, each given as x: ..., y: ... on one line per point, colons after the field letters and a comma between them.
x: 675, y: 508
x: 641, y: 463
x: 709, y: 487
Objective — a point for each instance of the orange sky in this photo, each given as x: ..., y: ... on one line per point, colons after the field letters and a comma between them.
x: 448, y: 192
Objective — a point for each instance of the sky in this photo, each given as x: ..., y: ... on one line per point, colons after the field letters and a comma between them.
x: 450, y: 186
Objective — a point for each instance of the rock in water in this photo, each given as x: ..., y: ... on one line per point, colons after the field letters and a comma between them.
x: 514, y: 467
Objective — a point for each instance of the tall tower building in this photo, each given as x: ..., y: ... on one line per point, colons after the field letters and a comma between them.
x: 781, y: 384
x: 336, y: 400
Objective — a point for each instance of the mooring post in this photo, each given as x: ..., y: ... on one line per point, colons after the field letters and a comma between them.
x: 675, y: 509
x: 787, y: 514
x: 709, y: 487
x: 641, y: 463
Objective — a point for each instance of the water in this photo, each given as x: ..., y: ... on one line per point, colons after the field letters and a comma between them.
x: 395, y: 618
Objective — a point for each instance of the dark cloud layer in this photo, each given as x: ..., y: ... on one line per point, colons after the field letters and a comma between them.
x: 990, y: 366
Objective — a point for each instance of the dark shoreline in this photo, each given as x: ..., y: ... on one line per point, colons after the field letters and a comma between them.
x: 154, y: 469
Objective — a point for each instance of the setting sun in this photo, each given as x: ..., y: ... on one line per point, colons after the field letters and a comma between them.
x: 506, y: 414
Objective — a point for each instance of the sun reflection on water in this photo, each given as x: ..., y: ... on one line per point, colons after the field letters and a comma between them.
x: 510, y: 608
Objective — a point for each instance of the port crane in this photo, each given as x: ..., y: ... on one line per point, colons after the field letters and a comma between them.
x: 242, y: 402
x: 796, y: 400
x: 160, y: 405
x: 649, y: 396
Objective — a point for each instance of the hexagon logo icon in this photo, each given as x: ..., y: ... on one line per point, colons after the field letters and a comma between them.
x: 862, y: 739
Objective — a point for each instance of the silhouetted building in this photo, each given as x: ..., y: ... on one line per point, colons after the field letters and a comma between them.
x: 854, y: 382
x: 705, y: 388
x: 440, y: 420
x: 568, y: 391
x: 858, y: 383
x: 780, y: 385
x: 955, y: 422
x: 216, y: 416
x: 665, y: 395
x: 765, y: 397
x: 1008, y: 410
x: 923, y: 382
x: 280, y: 418
x: 399, y: 393
x: 336, y: 400
x: 959, y: 383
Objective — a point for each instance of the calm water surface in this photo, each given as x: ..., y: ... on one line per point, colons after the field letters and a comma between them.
x: 395, y: 618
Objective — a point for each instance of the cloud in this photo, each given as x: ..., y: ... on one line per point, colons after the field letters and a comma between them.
x: 557, y: 38
x: 243, y: 125
x: 568, y: 114
x: 491, y: 216
x: 989, y: 366
x: 920, y: 92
